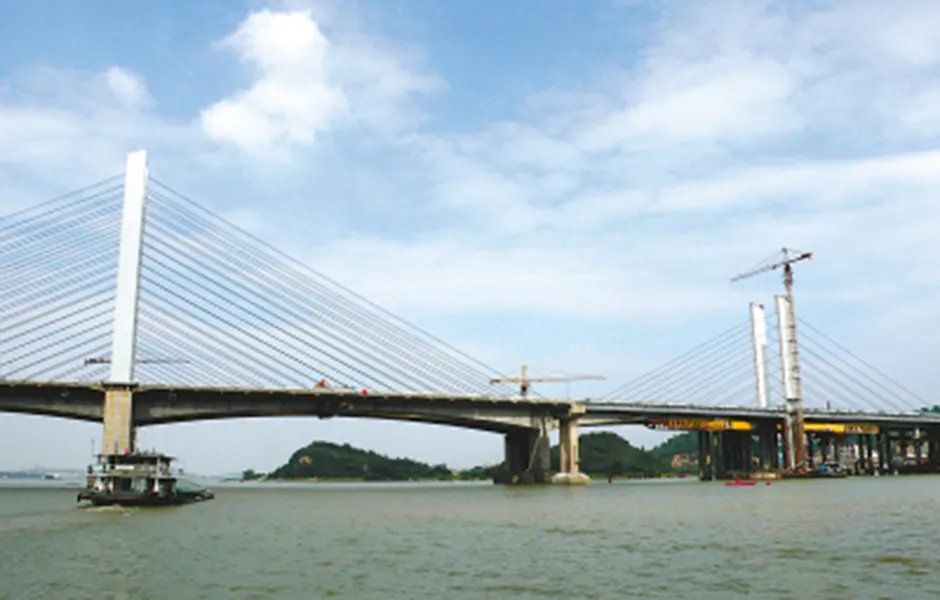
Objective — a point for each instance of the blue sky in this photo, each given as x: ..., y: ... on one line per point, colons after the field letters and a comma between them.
x: 568, y: 184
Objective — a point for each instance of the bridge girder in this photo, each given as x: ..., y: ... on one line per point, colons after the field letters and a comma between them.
x: 609, y: 414
x: 78, y: 402
x: 165, y: 405
x: 153, y: 407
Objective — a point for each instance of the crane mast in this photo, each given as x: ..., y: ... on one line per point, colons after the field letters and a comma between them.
x: 795, y: 415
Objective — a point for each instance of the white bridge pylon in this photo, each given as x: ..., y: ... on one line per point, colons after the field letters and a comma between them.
x: 759, y: 341
x: 127, y: 297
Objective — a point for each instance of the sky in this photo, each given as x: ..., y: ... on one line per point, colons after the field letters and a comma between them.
x: 561, y: 183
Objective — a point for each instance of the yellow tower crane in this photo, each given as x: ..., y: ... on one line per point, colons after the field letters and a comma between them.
x: 525, y: 382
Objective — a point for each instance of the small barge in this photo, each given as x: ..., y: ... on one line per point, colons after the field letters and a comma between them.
x: 823, y: 471
x: 137, y: 479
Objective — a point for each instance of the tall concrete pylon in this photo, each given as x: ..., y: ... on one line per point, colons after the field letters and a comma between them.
x: 118, y: 435
x: 759, y: 344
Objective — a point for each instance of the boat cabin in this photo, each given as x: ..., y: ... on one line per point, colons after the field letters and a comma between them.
x: 137, y: 473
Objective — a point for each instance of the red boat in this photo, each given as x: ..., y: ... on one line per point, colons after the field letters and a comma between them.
x: 739, y: 483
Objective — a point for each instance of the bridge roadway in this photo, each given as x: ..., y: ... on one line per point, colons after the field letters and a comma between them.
x: 641, y: 413
x: 525, y: 422
x: 156, y: 405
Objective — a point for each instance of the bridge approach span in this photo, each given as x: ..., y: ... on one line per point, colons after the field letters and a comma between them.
x: 157, y: 405
x: 524, y: 422
x: 600, y: 414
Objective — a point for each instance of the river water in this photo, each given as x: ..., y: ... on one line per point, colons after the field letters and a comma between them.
x: 853, y: 538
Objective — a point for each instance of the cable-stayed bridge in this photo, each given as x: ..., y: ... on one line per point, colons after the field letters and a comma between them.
x: 128, y: 303
x: 720, y: 372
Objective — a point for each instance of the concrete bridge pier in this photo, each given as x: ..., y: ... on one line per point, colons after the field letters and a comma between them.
x: 870, y: 447
x: 810, y: 444
x: 864, y: 459
x: 527, y: 457
x: 725, y: 454
x: 865, y: 464
x: 569, y: 455
x: 119, y: 433
x: 738, y: 450
x: 528, y: 454
x: 890, y: 451
x: 933, y: 449
x: 768, y: 447
x: 705, y: 462
x: 881, y: 448
x: 829, y: 445
x: 885, y: 443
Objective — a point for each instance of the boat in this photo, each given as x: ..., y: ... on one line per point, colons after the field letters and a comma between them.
x: 740, y: 483
x: 137, y: 479
x: 831, y: 470
x: 823, y: 471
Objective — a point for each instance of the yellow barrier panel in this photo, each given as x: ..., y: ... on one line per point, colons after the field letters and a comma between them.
x: 703, y: 424
x: 844, y: 428
x: 841, y: 428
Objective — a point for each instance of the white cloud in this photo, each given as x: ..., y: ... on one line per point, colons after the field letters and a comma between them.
x: 730, y: 99
x: 922, y: 114
x: 454, y: 276
x: 63, y: 129
x: 912, y: 36
x: 686, y: 170
x: 733, y: 136
x: 826, y: 184
x: 292, y: 100
x: 128, y: 87
x: 306, y: 84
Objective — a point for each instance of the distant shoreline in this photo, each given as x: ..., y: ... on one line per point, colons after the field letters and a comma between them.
x: 347, y: 480
x: 595, y: 477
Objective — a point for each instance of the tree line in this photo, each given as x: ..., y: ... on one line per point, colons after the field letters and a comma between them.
x: 603, y: 454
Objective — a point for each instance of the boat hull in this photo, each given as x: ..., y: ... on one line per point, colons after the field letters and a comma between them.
x: 815, y: 475
x: 105, y: 499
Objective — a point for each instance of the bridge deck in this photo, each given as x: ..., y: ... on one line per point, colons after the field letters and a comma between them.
x: 78, y: 400
x: 154, y: 405
x: 610, y: 413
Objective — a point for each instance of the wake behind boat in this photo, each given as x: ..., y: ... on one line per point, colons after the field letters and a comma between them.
x: 137, y: 479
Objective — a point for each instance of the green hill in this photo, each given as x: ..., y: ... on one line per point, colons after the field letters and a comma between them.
x: 608, y: 454
x: 323, y: 460
x: 683, y: 443
x: 602, y: 454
